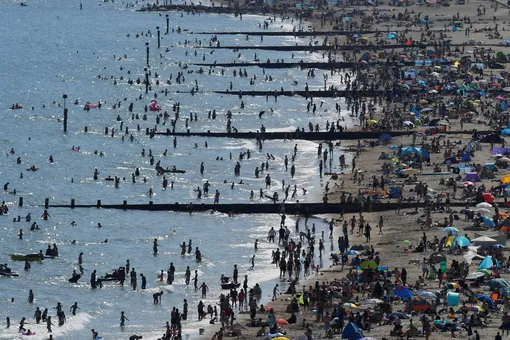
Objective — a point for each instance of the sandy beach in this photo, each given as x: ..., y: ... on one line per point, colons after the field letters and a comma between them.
x: 403, y: 230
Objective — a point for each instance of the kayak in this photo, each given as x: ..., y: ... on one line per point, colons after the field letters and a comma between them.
x: 23, y: 257
x: 11, y: 274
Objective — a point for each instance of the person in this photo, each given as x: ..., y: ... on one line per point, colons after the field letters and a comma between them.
x: 157, y: 297
x: 275, y: 292
x: 74, y: 308
x: 252, y: 261
x: 122, y: 319
x: 155, y: 246
x: 498, y: 337
x: 144, y: 281
x: 30, y: 296
x: 205, y: 289
x: 49, y: 324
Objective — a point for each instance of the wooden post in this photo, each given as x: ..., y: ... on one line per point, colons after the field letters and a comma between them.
x: 86, y: 129
x: 46, y: 203
x: 167, y: 23
x: 124, y: 203
x: 72, y: 203
x: 65, y: 113
x: 20, y: 203
x: 159, y: 37
x: 98, y: 204
x: 147, y: 51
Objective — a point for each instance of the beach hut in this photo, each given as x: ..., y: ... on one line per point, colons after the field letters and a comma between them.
x: 351, y: 331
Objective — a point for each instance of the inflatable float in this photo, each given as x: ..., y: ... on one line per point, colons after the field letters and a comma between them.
x: 154, y: 106
x: 89, y: 106
x: 25, y: 257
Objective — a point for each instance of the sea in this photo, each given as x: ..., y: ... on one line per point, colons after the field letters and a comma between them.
x: 52, y: 48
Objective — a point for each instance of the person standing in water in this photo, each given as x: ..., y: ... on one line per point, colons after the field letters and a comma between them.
x: 252, y: 261
x: 45, y: 215
x: 122, y: 319
x: 49, y: 324
x: 155, y: 246
x: 205, y: 289
x: 74, y: 308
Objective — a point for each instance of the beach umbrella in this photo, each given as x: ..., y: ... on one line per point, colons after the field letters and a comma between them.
x: 452, y: 285
x: 484, y: 298
x: 474, y: 276
x: 476, y: 309
x: 282, y: 338
x: 368, y: 265
x: 437, y: 258
x: 372, y: 302
x: 485, y: 272
x: 352, y: 252
x: 484, y: 205
x: 500, y: 98
x: 281, y: 322
x: 385, y: 137
x: 399, y: 315
x: 496, y: 246
x: 407, y: 243
x: 408, y: 124
x: 350, y: 305
x: 427, y: 295
x: 498, y: 283
x: 368, y: 338
x: 427, y: 109
x: 358, y: 247
x: 483, y: 211
x: 450, y: 229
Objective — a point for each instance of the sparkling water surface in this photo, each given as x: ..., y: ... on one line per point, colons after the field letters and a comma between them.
x: 51, y: 48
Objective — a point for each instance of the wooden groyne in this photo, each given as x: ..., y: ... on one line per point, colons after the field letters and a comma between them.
x: 310, y: 93
x: 320, y: 48
x: 305, y: 33
x: 314, y: 65
x: 346, y: 135
x: 256, y: 208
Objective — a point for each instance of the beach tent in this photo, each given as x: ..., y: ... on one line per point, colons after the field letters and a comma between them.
x: 351, y: 331
x: 462, y: 241
x: 437, y: 258
x: 472, y: 177
x: 403, y: 292
x: 487, y: 221
x: 395, y: 192
x: 391, y: 35
x: 486, y: 263
x: 385, y: 137
x: 465, y: 157
x: 484, y: 241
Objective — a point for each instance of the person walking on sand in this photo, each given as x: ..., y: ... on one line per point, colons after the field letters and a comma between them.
x: 275, y: 292
x: 122, y: 319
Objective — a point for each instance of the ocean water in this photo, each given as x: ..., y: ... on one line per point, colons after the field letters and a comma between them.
x: 51, y: 48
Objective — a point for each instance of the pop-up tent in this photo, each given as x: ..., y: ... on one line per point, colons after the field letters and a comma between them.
x: 351, y: 331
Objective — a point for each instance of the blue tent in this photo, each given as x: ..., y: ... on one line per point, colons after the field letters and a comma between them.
x: 385, y: 137
x: 351, y: 331
x: 486, y: 263
x: 462, y: 241
x: 411, y: 149
x: 391, y: 35
x: 465, y: 157
x: 395, y: 192
x: 505, y: 132
x: 403, y: 292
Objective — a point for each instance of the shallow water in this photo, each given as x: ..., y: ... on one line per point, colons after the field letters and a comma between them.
x: 52, y: 48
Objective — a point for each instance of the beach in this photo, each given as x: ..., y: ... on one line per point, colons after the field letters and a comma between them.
x: 110, y: 183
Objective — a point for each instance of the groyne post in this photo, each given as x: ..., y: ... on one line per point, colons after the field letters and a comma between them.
x: 147, y: 50
x: 147, y: 77
x: 46, y: 203
x: 167, y: 23
x: 72, y: 203
x: 159, y: 37
x: 65, y: 113
x: 20, y: 202
x: 98, y: 204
